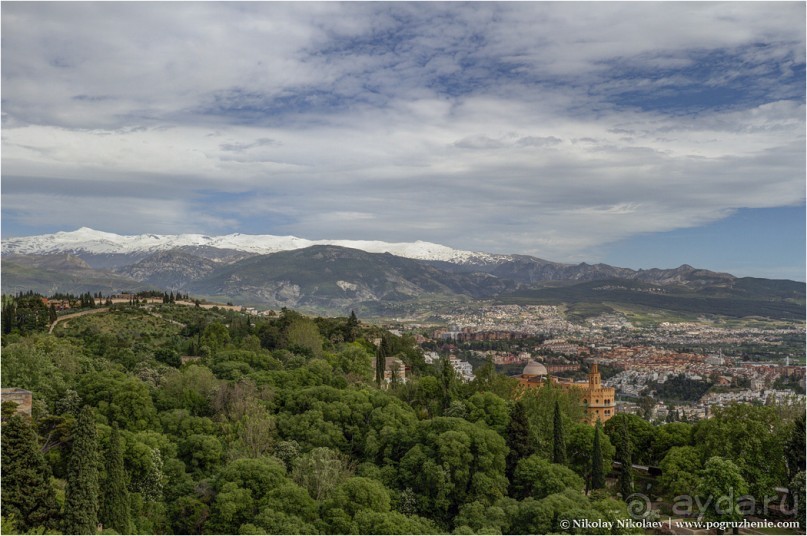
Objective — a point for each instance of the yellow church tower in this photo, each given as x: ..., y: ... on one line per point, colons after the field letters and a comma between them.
x: 598, y: 400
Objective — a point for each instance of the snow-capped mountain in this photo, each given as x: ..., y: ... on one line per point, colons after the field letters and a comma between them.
x: 90, y: 241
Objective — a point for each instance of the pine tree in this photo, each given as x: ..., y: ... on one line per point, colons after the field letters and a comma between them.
x: 625, y: 460
x: 82, y: 491
x: 559, y: 443
x: 27, y: 492
x: 115, y: 507
x: 597, y: 471
x: 519, y: 437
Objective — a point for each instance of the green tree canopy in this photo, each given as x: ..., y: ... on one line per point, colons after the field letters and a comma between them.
x: 490, y: 409
x: 27, y: 492
x: 753, y: 437
x: 722, y: 485
x: 679, y: 471
x: 536, y: 477
x: 449, y: 462
x: 119, y: 398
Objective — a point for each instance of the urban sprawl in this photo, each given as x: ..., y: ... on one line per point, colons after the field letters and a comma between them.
x: 748, y: 362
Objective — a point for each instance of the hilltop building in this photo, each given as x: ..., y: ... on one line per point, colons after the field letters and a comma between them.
x: 599, y: 402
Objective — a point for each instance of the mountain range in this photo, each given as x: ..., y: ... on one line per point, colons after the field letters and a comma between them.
x: 338, y: 275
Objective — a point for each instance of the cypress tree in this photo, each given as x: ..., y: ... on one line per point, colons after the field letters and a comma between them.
x: 380, y: 363
x: 115, y: 507
x: 27, y: 492
x: 448, y: 382
x: 597, y: 472
x: 82, y: 491
x: 519, y: 437
x: 559, y: 443
x: 352, y: 327
x: 625, y: 460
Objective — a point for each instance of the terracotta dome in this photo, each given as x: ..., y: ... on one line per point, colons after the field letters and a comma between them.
x: 534, y: 368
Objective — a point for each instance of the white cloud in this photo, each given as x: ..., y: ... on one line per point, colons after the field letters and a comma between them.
x: 494, y: 126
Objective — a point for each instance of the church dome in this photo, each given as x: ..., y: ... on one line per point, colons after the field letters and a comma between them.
x: 534, y: 368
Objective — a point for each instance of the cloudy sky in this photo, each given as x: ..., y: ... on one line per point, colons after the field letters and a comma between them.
x: 638, y: 134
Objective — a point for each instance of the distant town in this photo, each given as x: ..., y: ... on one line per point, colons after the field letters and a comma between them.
x: 665, y: 372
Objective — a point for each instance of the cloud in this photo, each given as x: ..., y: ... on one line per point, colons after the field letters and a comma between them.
x: 543, y: 128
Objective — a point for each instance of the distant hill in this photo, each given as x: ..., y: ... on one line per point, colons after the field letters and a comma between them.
x: 336, y: 277
x: 330, y: 276
x: 61, y: 272
x: 739, y: 298
x: 170, y: 270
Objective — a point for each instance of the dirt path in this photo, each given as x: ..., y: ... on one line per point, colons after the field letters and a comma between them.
x: 75, y: 315
x: 158, y: 315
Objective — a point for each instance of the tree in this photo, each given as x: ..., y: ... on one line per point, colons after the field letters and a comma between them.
x: 302, y: 336
x: 320, y: 471
x: 449, y: 462
x: 487, y: 379
x: 355, y: 495
x: 538, y: 478
x: 798, y: 497
x: 519, y: 437
x: 641, y: 435
x: 721, y: 486
x: 579, y: 448
x: 795, y: 447
x: 120, y: 398
x: 448, y: 382
x: 115, y: 506
x: 352, y: 329
x: 27, y: 492
x: 380, y: 363
x: 82, y: 491
x: 540, y: 406
x: 679, y: 471
x: 626, y: 469
x: 368, y: 522
x: 753, y: 437
x: 215, y: 337
x: 558, y: 443
x: 674, y: 434
x: 490, y: 409
x: 255, y: 430
x: 597, y: 470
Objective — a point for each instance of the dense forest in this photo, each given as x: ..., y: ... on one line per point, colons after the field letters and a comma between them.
x: 170, y: 418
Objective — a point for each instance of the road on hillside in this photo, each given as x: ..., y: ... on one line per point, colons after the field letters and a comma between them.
x: 74, y: 315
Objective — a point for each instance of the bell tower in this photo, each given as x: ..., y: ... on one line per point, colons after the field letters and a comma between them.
x: 594, y: 377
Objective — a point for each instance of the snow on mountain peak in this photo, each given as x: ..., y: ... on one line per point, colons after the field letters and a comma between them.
x: 99, y: 242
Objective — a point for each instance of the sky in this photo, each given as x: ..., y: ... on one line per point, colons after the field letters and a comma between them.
x: 638, y: 134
